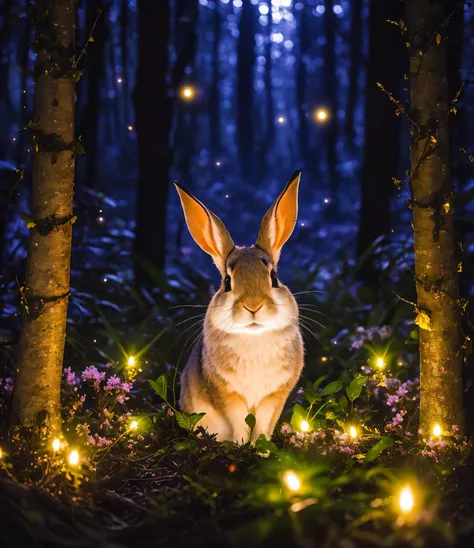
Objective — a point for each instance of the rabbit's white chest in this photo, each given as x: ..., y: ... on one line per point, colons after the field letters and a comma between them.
x: 260, y: 369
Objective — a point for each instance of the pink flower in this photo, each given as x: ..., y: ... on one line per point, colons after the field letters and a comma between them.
x: 113, y: 383
x: 121, y: 399
x: 170, y: 412
x: 286, y: 429
x: 8, y: 384
x: 102, y: 442
x: 92, y: 374
x: 127, y: 386
x: 70, y: 376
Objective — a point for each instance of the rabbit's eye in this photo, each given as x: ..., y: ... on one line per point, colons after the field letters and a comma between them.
x: 227, y: 284
x: 274, y: 279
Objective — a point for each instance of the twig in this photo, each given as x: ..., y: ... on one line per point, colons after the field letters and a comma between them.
x: 89, y: 39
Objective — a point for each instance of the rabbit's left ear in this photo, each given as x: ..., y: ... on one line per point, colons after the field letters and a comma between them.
x: 208, y: 231
x: 279, y: 221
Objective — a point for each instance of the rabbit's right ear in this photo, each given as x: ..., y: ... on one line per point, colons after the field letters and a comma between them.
x: 208, y: 231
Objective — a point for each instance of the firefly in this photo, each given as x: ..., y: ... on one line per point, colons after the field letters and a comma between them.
x: 74, y: 458
x: 321, y: 115
x: 292, y: 481
x: 56, y: 444
x: 406, y: 500
x: 353, y: 432
x: 188, y: 93
x: 131, y: 361
x: 437, y: 431
x: 281, y: 119
x: 380, y: 363
x: 304, y: 426
x: 133, y: 425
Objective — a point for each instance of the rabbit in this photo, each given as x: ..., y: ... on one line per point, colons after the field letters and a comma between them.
x: 251, y: 355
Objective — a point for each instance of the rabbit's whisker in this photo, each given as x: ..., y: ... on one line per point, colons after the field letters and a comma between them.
x: 191, y: 318
x: 186, y: 330
x: 314, y: 321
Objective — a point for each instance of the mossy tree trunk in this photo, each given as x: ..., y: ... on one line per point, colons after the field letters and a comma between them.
x: 46, y: 289
x: 432, y: 206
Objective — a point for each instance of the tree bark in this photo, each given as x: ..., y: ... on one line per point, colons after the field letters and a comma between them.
x: 330, y: 99
x: 382, y: 127
x: 46, y: 290
x: 269, y: 106
x: 354, y: 68
x: 214, y: 93
x: 96, y: 14
x: 304, y: 44
x: 153, y: 113
x: 245, y: 86
x: 432, y: 206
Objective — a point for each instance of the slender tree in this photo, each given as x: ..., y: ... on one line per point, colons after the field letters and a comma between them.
x: 304, y: 43
x: 245, y: 86
x: 214, y: 92
x: 96, y: 25
x: 354, y: 68
x: 330, y: 99
x: 432, y: 207
x: 269, y: 106
x: 157, y: 86
x: 46, y: 290
x: 382, y: 127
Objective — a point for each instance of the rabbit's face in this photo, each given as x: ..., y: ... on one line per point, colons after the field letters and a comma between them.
x: 251, y: 299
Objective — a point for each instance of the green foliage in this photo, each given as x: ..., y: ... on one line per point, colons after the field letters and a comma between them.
x: 160, y: 387
x: 354, y: 390
x: 375, y: 451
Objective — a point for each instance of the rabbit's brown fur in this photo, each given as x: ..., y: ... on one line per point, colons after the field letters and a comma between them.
x: 251, y: 354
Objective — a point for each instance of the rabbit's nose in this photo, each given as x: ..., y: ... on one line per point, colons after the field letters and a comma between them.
x: 255, y: 310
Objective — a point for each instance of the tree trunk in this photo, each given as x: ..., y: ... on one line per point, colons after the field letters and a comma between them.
x: 153, y: 113
x: 46, y: 290
x: 269, y: 107
x: 355, y: 67
x: 304, y: 43
x: 330, y: 99
x: 124, y: 33
x: 214, y: 93
x: 245, y: 87
x: 154, y: 100
x: 382, y: 127
x: 94, y: 75
x: 432, y: 206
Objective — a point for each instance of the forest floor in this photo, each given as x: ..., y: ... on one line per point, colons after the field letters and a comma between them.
x: 145, y: 479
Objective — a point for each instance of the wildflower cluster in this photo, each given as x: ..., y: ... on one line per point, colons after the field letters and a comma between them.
x: 101, y: 398
x: 324, y: 440
x: 371, y: 334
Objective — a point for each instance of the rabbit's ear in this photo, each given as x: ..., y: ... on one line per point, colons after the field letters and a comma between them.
x: 208, y: 231
x: 280, y: 220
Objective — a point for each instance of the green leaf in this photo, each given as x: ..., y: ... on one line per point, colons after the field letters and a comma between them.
x: 262, y: 445
x: 310, y: 396
x: 79, y: 149
x: 343, y: 403
x: 185, y: 445
x: 160, y: 386
x: 354, y: 390
x: 317, y: 382
x: 188, y: 421
x: 383, y: 443
x: 332, y: 388
x: 28, y: 220
x: 299, y: 414
x: 250, y: 420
